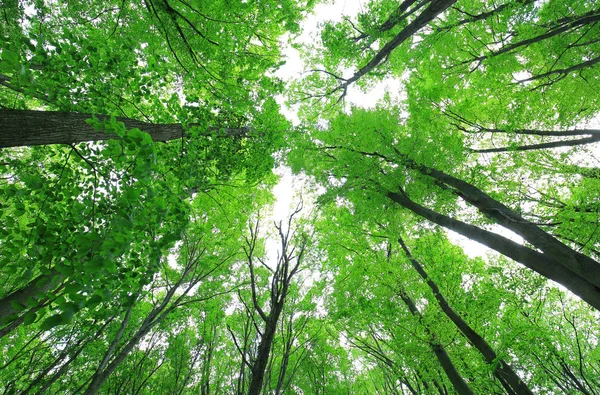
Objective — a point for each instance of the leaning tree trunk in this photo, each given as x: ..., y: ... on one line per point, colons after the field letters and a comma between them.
x: 27, y: 128
x: 460, y: 385
x: 572, y: 260
x: 435, y: 8
x: 157, y: 315
x: 540, y: 146
x: 544, y: 264
x: 503, y: 372
x: 35, y: 289
x: 72, y: 352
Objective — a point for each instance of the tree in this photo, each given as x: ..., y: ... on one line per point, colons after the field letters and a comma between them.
x: 511, y: 382
x: 136, y: 159
x: 474, y: 299
x: 27, y: 128
x: 130, y: 186
x: 263, y: 325
x: 388, y: 169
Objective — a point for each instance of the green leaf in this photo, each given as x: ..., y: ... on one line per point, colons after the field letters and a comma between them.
x: 18, y: 307
x: 32, y: 302
x: 10, y: 57
x: 30, y: 317
x: 54, y: 321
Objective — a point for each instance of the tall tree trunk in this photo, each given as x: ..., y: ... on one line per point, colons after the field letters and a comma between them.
x: 157, y: 315
x: 264, y: 350
x: 27, y: 128
x: 280, y: 282
x: 503, y: 372
x: 68, y: 352
x: 533, y: 147
x: 36, y: 287
x: 206, y: 364
x: 543, y: 264
x: 21, y: 318
x: 100, y: 377
x: 285, y: 358
x: 575, y: 23
x: 572, y: 260
x: 459, y: 384
x: 484, y: 15
x: 115, y: 341
x: 435, y: 8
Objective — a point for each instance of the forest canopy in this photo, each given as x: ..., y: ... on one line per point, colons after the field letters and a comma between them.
x: 141, y: 151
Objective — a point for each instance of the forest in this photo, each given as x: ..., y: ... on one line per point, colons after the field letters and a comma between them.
x: 442, y: 238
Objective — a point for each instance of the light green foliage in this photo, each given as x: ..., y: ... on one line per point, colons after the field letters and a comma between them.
x: 131, y: 262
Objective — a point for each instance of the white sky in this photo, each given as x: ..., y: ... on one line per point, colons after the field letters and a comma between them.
x: 290, y: 185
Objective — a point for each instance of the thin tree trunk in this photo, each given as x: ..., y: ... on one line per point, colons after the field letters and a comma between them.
x: 206, y: 363
x: 576, y: 22
x: 100, y: 377
x: 503, y: 372
x: 157, y: 315
x: 79, y: 347
x: 587, y: 172
x: 459, y: 384
x: 113, y: 344
x: 533, y: 147
x: 562, y: 73
x: 483, y: 15
x: 537, y: 132
x: 435, y: 8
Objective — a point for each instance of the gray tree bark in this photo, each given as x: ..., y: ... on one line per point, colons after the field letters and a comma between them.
x: 27, y: 128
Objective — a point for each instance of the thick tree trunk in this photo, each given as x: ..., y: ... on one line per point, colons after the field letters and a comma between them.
x: 34, y: 289
x: 264, y: 350
x: 503, y: 372
x: 459, y: 384
x: 572, y: 260
x: 544, y: 264
x: 27, y: 128
x: 280, y: 282
x: 21, y: 318
x: 398, y: 15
